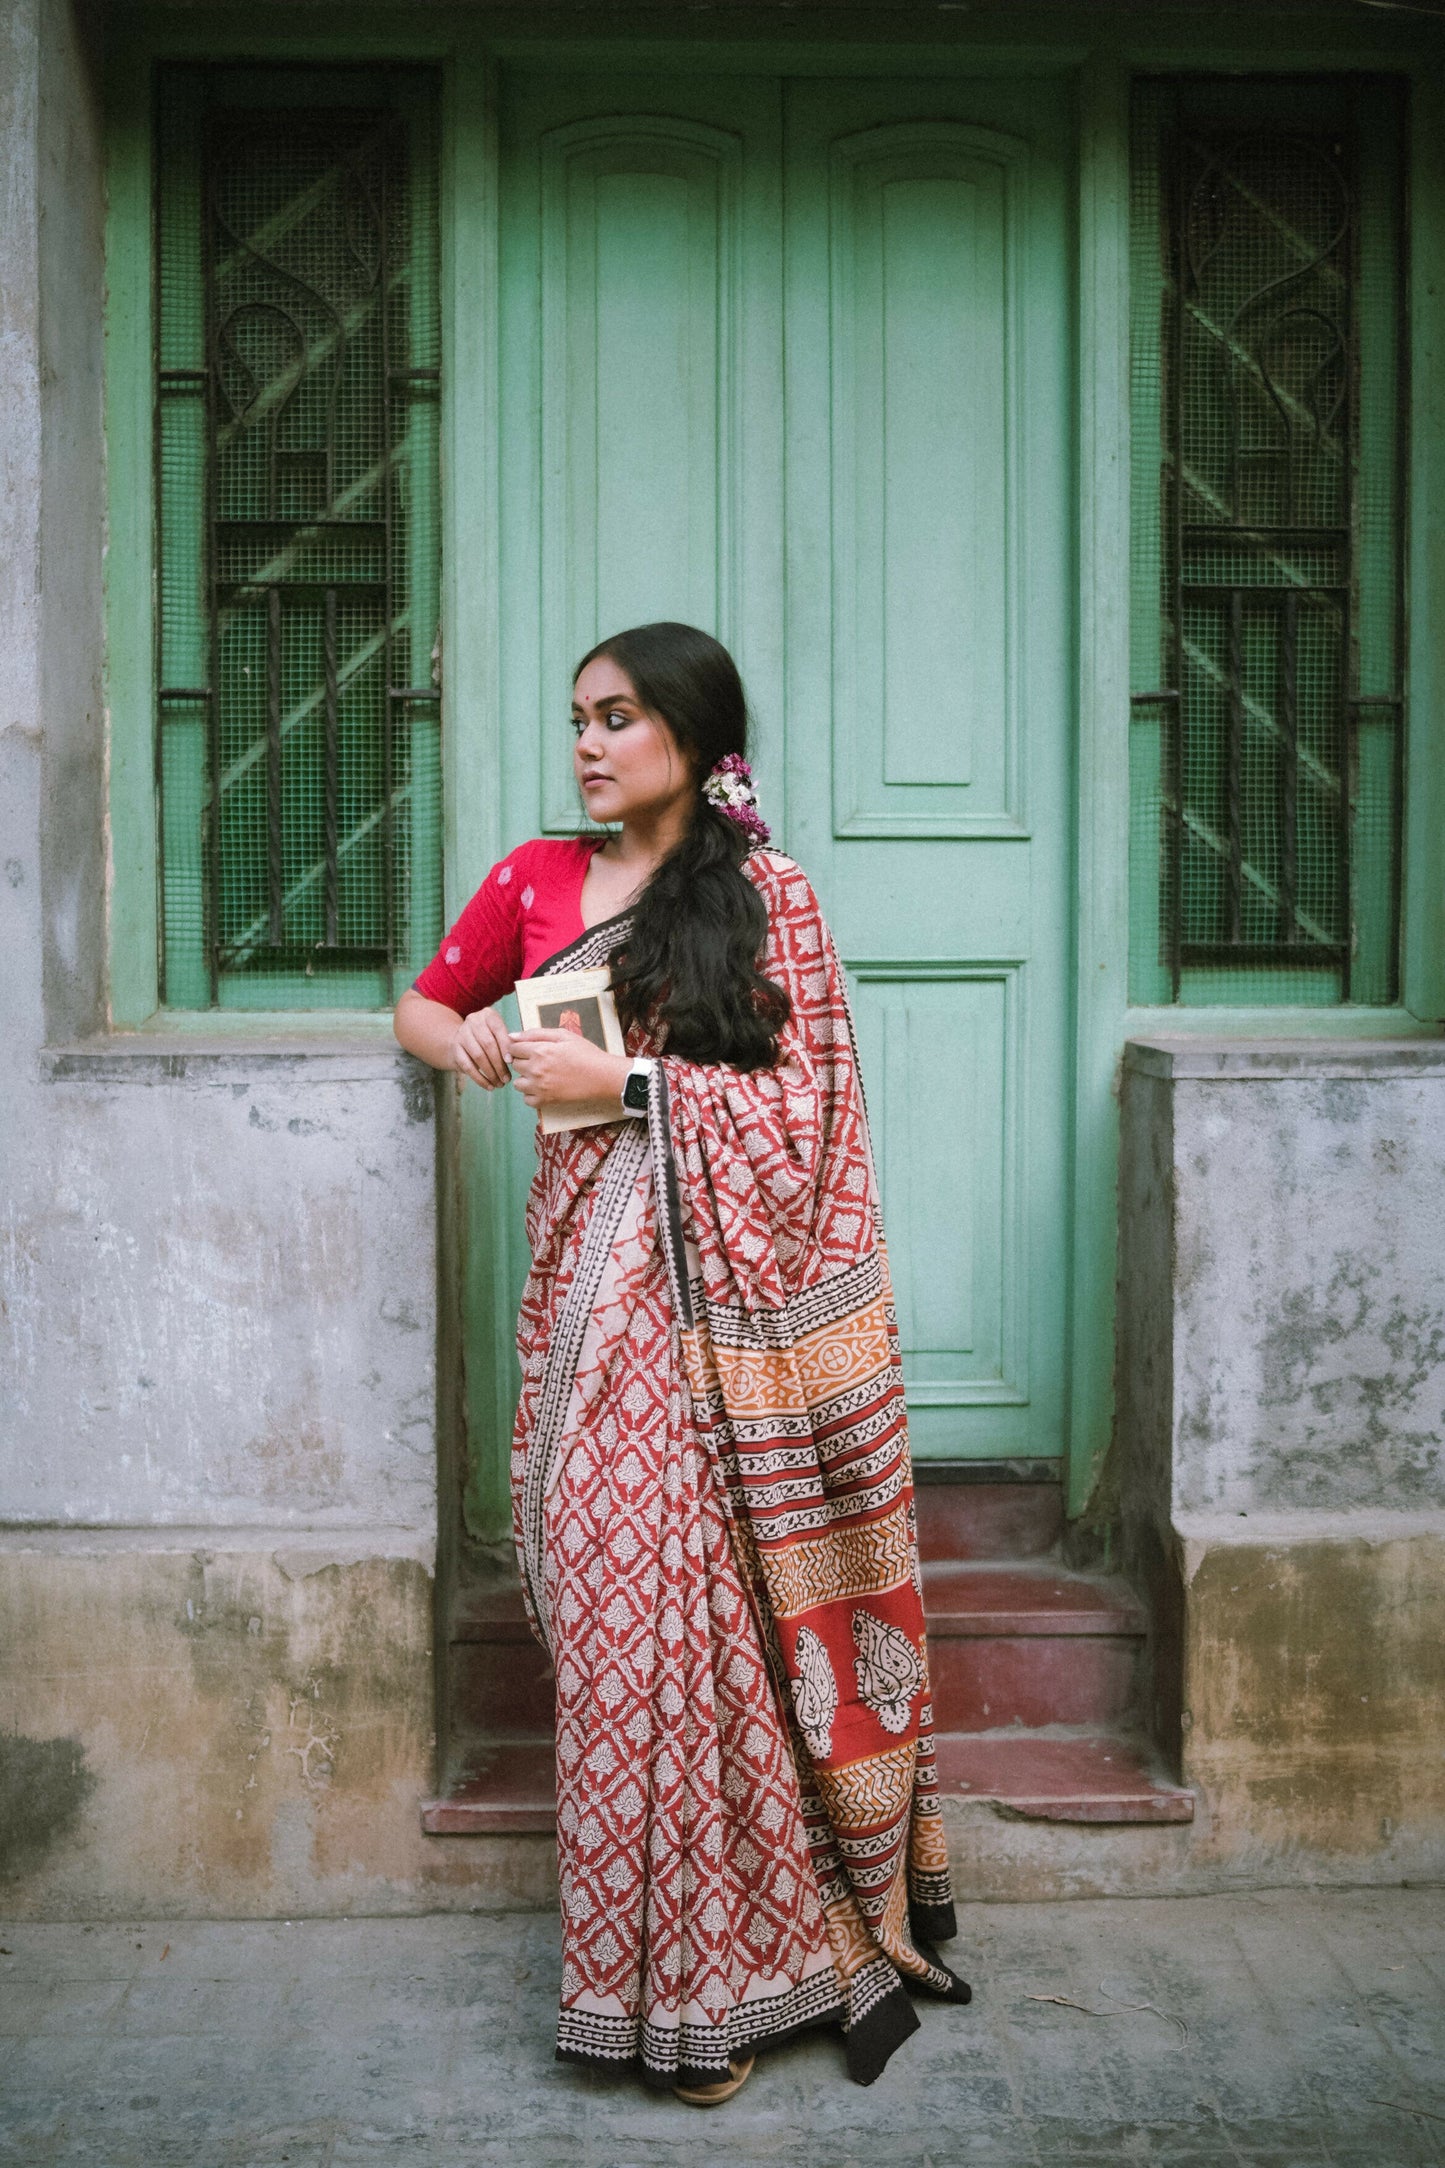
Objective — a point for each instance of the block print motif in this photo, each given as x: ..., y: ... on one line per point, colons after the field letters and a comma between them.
x: 815, y: 1694
x: 888, y: 1668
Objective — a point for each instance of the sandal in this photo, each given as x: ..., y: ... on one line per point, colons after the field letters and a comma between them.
x: 711, y: 2096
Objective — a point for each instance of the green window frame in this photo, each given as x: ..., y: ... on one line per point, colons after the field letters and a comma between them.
x: 1267, y: 635
x: 296, y: 476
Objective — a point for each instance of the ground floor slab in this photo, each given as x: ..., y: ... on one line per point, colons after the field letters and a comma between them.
x: 1301, y: 2027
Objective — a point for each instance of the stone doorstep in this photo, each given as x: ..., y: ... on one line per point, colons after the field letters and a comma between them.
x: 1033, y: 1679
x: 1093, y: 1777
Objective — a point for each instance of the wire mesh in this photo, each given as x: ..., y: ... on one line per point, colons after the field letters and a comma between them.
x: 297, y: 384
x: 1266, y: 292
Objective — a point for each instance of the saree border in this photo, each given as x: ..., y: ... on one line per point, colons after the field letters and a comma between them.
x: 689, y: 2053
x: 625, y: 1163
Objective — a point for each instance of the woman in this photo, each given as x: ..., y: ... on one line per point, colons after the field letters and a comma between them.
x: 711, y: 1481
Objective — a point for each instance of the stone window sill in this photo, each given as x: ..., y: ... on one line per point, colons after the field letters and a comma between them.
x: 1302, y: 1061
x: 240, y: 1046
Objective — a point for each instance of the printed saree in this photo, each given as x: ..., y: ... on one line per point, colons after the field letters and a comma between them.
x: 714, y: 1520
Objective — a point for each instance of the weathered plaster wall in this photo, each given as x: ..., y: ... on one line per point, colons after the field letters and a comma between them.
x: 217, y: 1267
x: 1310, y: 1262
x: 217, y: 1497
x: 211, y: 1723
x: 1314, y: 1684
x: 220, y: 1306
x: 1281, y: 1414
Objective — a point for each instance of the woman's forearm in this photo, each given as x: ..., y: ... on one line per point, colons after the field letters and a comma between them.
x: 425, y: 1028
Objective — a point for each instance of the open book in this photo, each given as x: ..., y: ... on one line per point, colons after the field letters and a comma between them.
x: 579, y: 1001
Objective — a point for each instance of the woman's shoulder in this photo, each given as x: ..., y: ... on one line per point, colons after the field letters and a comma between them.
x: 541, y: 858
x: 775, y: 874
x: 549, y: 850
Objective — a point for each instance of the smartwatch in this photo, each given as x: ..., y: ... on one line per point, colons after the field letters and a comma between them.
x: 634, y: 1089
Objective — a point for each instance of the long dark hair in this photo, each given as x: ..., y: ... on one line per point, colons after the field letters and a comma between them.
x: 690, y: 966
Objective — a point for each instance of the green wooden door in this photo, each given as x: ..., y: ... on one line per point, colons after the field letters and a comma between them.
x: 929, y: 699
x: 789, y: 360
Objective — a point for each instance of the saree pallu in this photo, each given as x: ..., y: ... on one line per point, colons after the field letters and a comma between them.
x: 714, y: 1520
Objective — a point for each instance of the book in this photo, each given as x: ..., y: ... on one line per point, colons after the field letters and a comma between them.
x: 579, y: 1001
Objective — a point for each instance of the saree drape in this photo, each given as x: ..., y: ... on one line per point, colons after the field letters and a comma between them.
x: 714, y: 1522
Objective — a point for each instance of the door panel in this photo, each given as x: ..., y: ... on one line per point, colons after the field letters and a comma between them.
x: 641, y: 388
x: 641, y: 476
x: 923, y: 249
x: 641, y: 403
x: 932, y: 1040
x: 789, y: 360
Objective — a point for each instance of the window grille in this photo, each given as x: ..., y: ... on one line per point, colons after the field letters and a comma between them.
x: 1268, y: 513
x: 298, y: 667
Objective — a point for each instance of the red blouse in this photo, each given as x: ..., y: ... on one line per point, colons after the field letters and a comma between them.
x: 528, y: 907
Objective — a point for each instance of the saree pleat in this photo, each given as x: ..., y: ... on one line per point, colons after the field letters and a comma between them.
x: 715, y: 1526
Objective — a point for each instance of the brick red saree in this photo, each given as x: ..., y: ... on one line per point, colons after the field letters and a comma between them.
x: 714, y: 1519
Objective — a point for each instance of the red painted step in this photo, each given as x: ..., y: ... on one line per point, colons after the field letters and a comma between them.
x: 511, y: 1788
x: 981, y: 1685
x: 1029, y: 1643
x: 965, y: 1521
x: 502, y: 1689
x: 1093, y: 1777
x: 1009, y: 1643
x: 1042, y: 1598
x: 1097, y: 1777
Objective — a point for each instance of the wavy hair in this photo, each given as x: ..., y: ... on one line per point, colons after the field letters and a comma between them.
x: 689, y: 970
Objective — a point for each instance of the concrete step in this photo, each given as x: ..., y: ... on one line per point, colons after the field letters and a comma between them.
x: 1058, y: 1776
x: 1093, y: 1777
x: 1033, y: 1672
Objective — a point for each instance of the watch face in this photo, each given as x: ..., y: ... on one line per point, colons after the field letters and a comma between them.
x: 634, y: 1092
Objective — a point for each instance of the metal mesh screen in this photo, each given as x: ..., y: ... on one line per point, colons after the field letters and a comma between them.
x: 297, y: 389
x: 1266, y: 732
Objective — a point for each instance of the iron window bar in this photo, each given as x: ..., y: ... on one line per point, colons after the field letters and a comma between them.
x: 302, y: 273
x: 1260, y: 430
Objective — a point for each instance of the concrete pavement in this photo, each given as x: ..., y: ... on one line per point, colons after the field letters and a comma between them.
x: 1290, y: 2029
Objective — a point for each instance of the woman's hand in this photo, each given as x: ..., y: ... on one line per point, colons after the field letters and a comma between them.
x: 551, y: 1066
x: 481, y: 1049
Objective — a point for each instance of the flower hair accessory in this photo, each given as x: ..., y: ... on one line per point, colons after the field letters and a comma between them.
x: 729, y: 786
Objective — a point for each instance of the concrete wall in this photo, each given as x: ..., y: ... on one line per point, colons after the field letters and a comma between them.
x: 1281, y: 1414
x: 218, y: 1314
